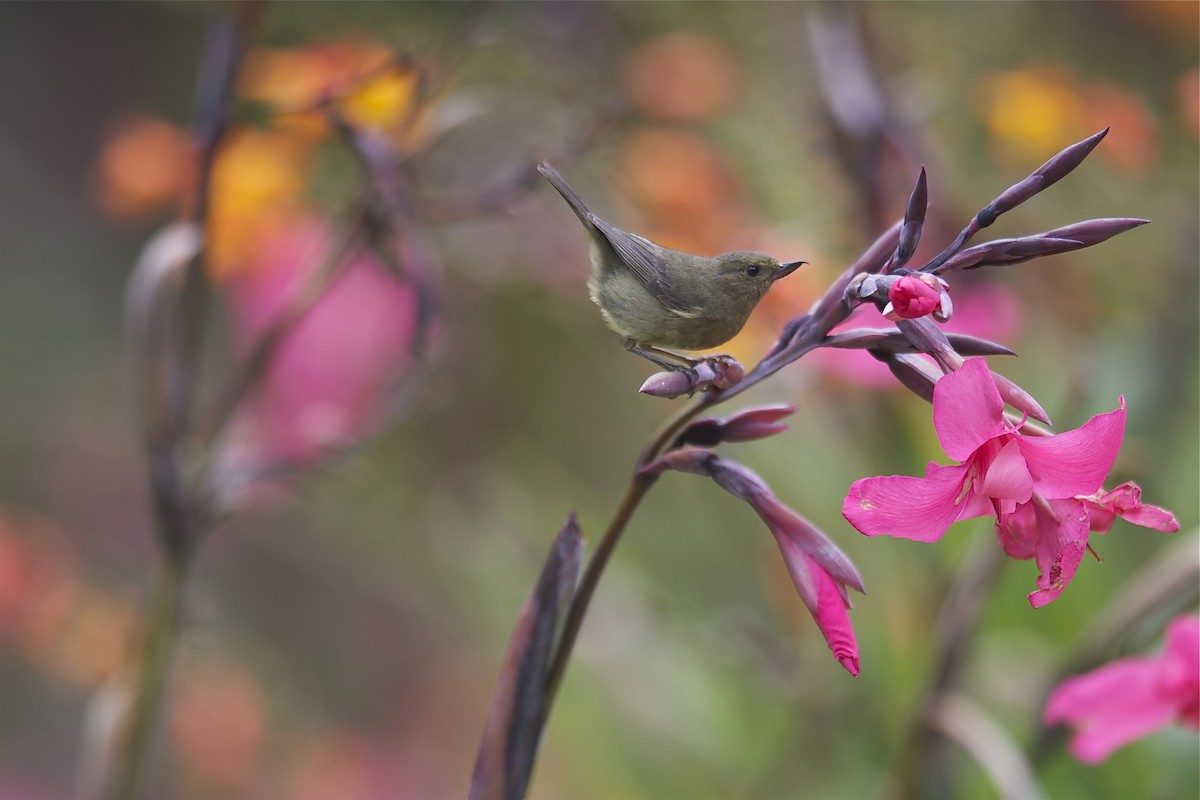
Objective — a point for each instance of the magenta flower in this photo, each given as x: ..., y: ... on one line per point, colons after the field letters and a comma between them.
x: 1043, y: 490
x: 1130, y: 698
x: 915, y: 296
x: 820, y: 571
x: 332, y: 381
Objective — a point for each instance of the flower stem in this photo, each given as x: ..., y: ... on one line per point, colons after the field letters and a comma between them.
x: 135, y: 731
x: 636, y: 489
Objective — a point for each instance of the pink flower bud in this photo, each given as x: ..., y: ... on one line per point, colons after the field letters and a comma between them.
x: 913, y: 296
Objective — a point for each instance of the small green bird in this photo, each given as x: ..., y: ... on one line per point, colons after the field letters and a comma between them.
x: 656, y: 297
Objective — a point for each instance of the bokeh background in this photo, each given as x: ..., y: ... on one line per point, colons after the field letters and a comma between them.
x: 345, y: 630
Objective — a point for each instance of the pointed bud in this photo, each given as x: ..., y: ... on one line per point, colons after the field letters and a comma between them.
x: 929, y: 338
x: 1018, y: 398
x: 747, y: 425
x: 915, y: 374
x: 666, y: 384
x: 914, y: 221
x: 1009, y: 251
x: 694, y: 460
x: 1095, y: 231
x: 1044, y: 176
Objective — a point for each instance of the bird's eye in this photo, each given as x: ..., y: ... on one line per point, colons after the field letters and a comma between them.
x: 752, y: 271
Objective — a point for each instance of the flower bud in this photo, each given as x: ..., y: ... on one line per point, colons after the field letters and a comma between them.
x: 914, y: 296
x: 667, y: 384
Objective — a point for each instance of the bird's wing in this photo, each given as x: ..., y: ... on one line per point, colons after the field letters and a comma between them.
x: 645, y: 261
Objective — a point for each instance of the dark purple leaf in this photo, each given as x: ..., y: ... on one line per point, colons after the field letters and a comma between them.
x: 516, y: 718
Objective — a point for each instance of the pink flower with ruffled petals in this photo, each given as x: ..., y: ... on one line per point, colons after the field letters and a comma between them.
x: 1043, y: 490
x: 1130, y: 698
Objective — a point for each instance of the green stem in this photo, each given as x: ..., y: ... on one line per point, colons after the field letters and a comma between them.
x: 135, y: 731
x: 636, y: 489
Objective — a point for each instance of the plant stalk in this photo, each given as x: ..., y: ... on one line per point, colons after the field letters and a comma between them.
x: 135, y: 731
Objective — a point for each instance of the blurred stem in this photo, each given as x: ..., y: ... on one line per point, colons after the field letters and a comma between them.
x: 954, y: 634
x: 637, y: 488
x: 135, y: 731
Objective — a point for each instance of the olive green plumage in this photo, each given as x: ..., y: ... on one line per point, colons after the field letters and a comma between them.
x: 658, y: 297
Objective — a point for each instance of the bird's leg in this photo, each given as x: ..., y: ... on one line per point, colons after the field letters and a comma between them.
x: 674, y: 362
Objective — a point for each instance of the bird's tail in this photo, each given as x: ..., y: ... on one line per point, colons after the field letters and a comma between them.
x: 573, y: 199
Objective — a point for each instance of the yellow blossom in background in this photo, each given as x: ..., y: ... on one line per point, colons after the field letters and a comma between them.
x: 258, y: 181
x: 382, y: 102
x: 296, y: 82
x: 1031, y: 112
x: 295, y: 78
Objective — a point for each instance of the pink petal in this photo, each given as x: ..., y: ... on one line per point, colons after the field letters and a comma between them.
x: 1181, y: 658
x: 967, y: 409
x: 1075, y: 462
x: 1017, y: 531
x: 785, y: 522
x: 1062, y: 541
x: 1007, y: 477
x: 331, y: 379
x: 1125, y: 501
x: 1110, y: 707
x: 912, y: 297
x: 908, y: 507
x: 825, y: 602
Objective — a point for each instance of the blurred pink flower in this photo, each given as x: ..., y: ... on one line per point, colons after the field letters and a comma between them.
x: 1042, y: 490
x: 332, y: 379
x: 1132, y: 697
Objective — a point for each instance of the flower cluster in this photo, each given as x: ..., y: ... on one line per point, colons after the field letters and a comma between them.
x: 1044, y: 490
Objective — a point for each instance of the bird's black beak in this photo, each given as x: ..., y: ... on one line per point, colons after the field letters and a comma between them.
x: 786, y: 269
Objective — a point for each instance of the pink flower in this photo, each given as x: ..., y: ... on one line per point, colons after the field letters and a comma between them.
x: 1043, y: 490
x: 332, y: 380
x: 1132, y: 697
x: 820, y: 571
x: 911, y: 297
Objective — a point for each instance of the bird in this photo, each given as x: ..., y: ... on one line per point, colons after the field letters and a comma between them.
x: 661, y: 300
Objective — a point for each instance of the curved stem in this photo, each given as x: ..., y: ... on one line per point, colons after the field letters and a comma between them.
x: 636, y: 489
x: 135, y: 731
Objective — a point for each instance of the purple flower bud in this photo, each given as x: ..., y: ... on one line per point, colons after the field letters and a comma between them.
x: 915, y: 374
x: 1044, y: 176
x: 674, y: 383
x: 747, y: 425
x: 1008, y: 251
x: 694, y: 460
x: 929, y: 338
x: 914, y: 221
x: 1020, y: 399
x: 1095, y: 231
